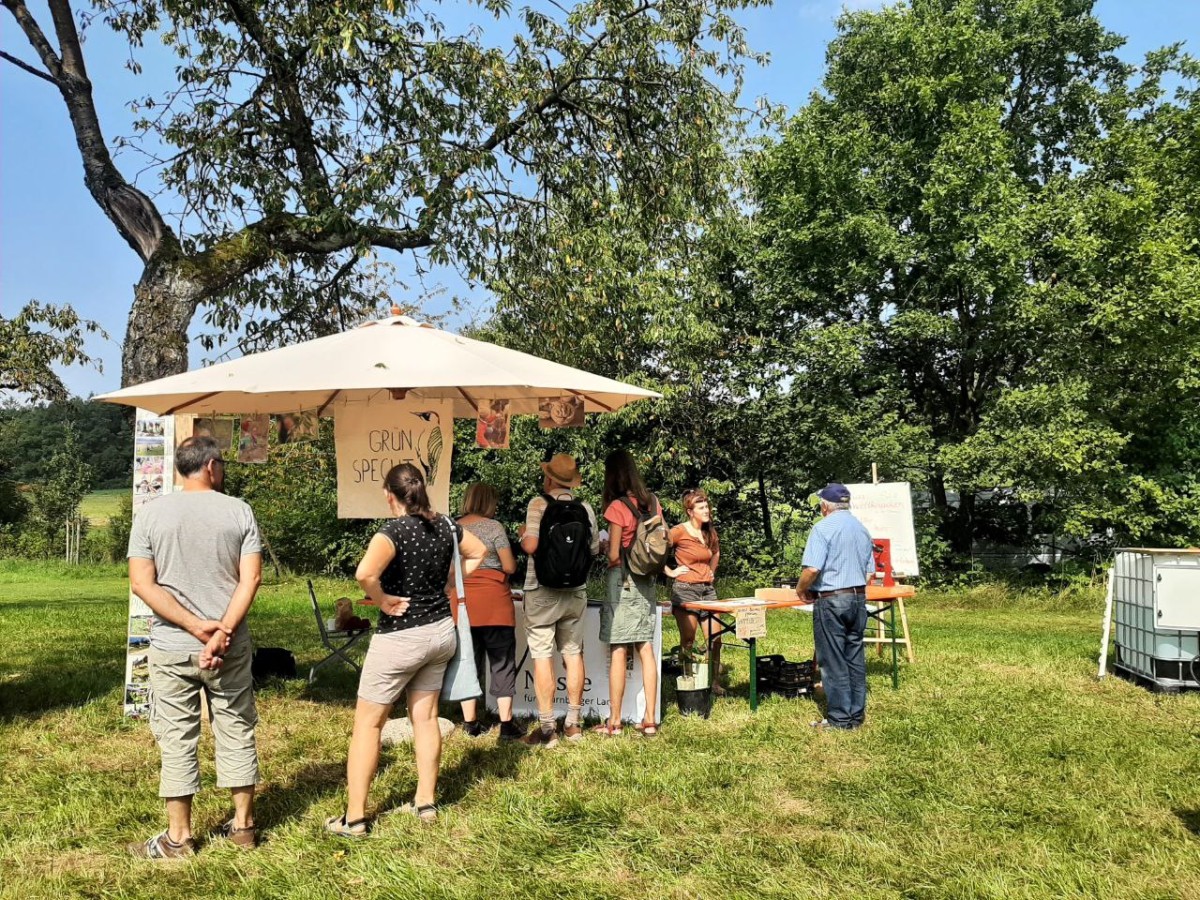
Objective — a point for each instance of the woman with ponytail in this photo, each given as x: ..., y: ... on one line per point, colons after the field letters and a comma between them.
x: 405, y: 572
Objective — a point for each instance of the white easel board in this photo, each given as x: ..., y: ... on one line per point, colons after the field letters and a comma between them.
x: 886, y: 510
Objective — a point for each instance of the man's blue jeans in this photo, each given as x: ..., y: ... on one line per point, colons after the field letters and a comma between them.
x: 839, y: 621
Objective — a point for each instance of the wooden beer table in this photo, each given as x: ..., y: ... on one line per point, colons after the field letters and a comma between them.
x: 723, y: 616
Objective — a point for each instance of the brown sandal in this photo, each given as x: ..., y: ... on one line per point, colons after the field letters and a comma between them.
x: 245, y: 838
x: 161, y: 847
x: 608, y: 730
x: 646, y: 729
x: 427, y: 812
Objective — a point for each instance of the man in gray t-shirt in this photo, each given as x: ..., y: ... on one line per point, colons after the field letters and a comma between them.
x: 195, y: 558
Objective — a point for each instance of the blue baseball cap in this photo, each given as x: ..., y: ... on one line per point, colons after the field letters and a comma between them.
x: 834, y: 492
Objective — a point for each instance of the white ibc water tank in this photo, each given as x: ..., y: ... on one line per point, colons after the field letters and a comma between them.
x: 1156, y: 614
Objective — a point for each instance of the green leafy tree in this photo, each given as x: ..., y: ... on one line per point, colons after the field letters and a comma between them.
x: 948, y: 206
x: 39, y: 337
x: 303, y: 139
x: 30, y: 435
x: 56, y: 498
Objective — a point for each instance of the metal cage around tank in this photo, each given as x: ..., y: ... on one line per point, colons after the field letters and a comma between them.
x: 1156, y: 596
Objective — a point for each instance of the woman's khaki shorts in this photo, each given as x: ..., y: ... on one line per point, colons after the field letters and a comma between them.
x: 415, y: 658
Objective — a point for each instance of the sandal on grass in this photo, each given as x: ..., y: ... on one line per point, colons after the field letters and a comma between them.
x: 337, y: 825
x: 647, y: 729
x: 427, y: 813
x: 245, y: 838
x: 162, y: 847
x: 608, y: 730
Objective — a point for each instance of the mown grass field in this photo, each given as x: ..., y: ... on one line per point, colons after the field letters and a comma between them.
x: 100, y: 506
x: 1000, y: 768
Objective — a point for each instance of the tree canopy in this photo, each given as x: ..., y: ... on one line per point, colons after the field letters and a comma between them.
x: 972, y: 257
x: 303, y: 140
x: 993, y: 213
x: 35, y: 340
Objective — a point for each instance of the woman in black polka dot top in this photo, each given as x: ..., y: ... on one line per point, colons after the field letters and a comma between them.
x: 405, y: 571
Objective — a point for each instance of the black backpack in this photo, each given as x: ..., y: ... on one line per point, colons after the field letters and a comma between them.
x: 564, y: 552
x: 272, y: 662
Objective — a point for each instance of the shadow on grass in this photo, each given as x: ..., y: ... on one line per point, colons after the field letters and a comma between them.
x: 291, y: 800
x: 481, y: 763
x: 1190, y: 819
x: 68, y: 675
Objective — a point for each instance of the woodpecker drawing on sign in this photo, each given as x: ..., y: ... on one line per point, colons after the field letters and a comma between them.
x: 433, y: 447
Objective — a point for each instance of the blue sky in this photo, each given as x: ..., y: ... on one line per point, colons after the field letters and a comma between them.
x: 56, y: 245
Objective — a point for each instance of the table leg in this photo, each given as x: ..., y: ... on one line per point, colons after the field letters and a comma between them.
x: 753, y: 674
x: 912, y: 656
x: 895, y: 661
x: 709, y: 639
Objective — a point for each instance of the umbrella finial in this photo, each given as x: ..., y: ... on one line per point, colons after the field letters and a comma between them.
x: 396, y: 311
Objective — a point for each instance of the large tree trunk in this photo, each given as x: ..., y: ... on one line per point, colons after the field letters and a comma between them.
x: 764, y: 505
x: 156, y: 339
x: 957, y: 523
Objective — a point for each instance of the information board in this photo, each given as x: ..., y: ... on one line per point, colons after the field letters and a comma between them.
x: 886, y: 510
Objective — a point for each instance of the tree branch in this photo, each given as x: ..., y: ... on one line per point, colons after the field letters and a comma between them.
x: 37, y: 39
x: 297, y: 122
x: 21, y: 64
x: 130, y: 210
x: 243, y: 252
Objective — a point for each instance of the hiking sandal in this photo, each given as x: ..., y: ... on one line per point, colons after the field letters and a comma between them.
x: 337, y: 825
x: 428, y: 813
x: 646, y: 729
x: 608, y: 730
x: 161, y: 847
x: 244, y: 838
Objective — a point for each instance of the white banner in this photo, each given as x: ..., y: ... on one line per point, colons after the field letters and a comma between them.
x: 886, y: 511
x: 371, y: 438
x: 595, y: 667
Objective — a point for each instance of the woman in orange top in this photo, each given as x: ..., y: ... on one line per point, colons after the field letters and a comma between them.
x: 697, y: 552
x: 490, y: 609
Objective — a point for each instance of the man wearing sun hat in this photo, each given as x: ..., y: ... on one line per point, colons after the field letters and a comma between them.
x: 839, y: 562
x: 554, y: 618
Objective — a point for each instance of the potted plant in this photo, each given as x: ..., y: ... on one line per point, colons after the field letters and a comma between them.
x: 693, y: 689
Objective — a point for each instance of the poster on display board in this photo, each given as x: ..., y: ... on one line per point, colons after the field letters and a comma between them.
x: 491, y: 426
x: 886, y: 511
x: 371, y: 438
x: 153, y: 476
x: 561, y: 412
x: 595, y: 666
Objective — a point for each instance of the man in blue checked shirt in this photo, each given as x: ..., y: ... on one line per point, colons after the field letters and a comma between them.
x: 839, y: 562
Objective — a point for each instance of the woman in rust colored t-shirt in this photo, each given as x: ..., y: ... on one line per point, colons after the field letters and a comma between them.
x: 697, y: 552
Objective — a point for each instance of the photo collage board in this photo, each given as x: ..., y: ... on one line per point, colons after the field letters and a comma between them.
x: 153, y: 476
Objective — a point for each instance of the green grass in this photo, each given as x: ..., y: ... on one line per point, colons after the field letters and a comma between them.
x: 1000, y: 768
x: 100, y: 506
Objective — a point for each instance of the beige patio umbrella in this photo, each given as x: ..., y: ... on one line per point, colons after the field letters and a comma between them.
x: 396, y: 358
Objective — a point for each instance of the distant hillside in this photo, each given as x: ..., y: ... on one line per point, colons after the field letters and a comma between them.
x: 29, y: 436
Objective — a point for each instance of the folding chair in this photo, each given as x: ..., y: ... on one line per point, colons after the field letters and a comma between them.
x: 336, y: 642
